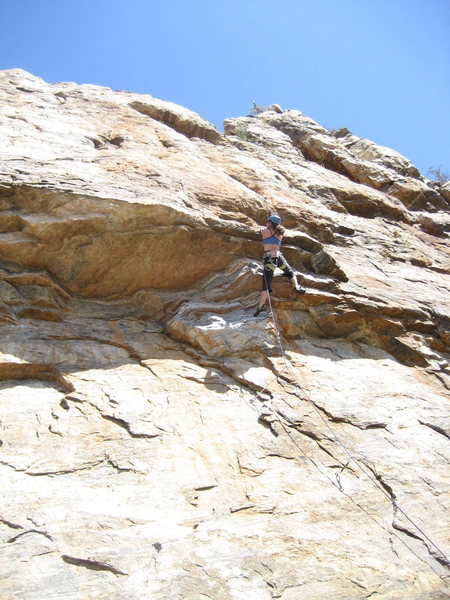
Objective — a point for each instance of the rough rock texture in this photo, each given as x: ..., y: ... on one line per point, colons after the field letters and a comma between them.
x: 157, y: 441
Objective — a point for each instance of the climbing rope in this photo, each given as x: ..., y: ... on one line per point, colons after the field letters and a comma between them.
x: 444, y: 560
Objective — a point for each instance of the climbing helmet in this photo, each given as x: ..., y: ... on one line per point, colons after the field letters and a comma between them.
x: 275, y: 219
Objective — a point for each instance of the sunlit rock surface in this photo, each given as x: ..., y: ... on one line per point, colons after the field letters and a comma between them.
x: 157, y: 440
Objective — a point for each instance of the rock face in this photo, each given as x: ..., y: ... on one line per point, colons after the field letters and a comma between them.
x: 157, y: 440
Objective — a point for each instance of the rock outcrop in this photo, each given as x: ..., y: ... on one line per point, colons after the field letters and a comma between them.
x: 157, y: 440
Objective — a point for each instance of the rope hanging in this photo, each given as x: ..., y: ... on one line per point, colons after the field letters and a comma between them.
x: 443, y: 559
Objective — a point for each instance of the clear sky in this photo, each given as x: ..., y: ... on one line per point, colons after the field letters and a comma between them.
x: 381, y: 68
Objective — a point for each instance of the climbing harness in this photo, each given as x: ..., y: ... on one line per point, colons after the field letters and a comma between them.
x: 441, y: 557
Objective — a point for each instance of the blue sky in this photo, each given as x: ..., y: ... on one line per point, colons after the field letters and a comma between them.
x: 381, y: 68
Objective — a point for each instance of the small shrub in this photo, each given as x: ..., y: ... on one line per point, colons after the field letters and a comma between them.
x: 438, y: 174
x: 257, y: 109
x: 242, y: 132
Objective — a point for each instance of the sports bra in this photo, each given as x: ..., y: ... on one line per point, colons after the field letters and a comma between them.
x: 271, y: 240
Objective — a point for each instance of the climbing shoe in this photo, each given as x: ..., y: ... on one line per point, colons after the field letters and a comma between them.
x: 300, y: 290
x: 259, y: 310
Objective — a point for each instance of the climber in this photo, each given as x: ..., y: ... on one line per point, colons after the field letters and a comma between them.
x: 272, y: 235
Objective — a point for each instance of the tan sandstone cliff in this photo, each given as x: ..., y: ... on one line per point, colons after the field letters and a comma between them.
x: 157, y: 440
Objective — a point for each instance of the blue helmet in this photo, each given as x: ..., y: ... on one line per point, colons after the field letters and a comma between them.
x: 275, y: 219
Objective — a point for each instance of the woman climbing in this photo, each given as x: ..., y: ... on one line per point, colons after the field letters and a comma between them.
x: 272, y: 235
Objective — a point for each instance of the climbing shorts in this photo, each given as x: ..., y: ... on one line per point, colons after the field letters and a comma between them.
x: 270, y: 264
